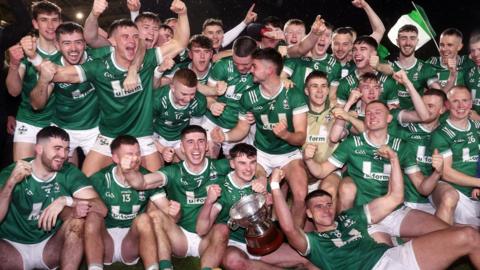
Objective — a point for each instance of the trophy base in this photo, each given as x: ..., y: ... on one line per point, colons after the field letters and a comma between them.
x: 265, y: 244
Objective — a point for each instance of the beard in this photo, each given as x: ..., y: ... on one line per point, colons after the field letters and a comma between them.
x: 49, y: 163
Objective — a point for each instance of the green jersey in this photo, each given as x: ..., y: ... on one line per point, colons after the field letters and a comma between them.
x: 203, y: 80
x: 463, y: 65
x: 31, y: 196
x: 349, y: 246
x: 388, y: 93
x: 232, y: 193
x: 420, y: 74
x: 76, y: 104
x: 418, y: 138
x: 39, y: 118
x: 461, y: 145
x: 369, y: 171
x: 123, y: 202
x: 169, y: 118
x: 472, y: 81
x: 268, y: 111
x: 123, y: 111
x: 237, y: 83
x: 190, y: 189
x: 299, y: 68
x: 347, y: 68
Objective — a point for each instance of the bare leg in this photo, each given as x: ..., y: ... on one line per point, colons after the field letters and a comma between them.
x: 94, y: 162
x: 10, y: 257
x: 297, y: 181
x: 98, y: 243
x: 439, y: 249
x: 445, y: 198
x: 66, y: 246
x: 170, y: 238
x: 236, y: 259
x: 417, y: 223
x: 347, y: 191
x: 213, y: 245
x: 382, y: 238
x: 331, y: 184
x: 23, y: 150
x: 140, y: 240
x: 152, y: 162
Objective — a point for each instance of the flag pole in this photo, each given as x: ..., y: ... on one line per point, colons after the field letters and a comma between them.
x: 429, y: 31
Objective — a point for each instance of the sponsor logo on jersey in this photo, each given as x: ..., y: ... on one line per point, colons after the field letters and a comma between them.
x: 425, y: 159
x: 108, y: 75
x: 122, y: 92
x: 313, y: 139
x: 360, y: 152
x: 285, y: 104
x: 110, y: 195
x: 377, y: 176
x: 63, y: 85
x: 476, y: 101
x: 402, y: 93
x: 120, y: 216
x: 258, y: 108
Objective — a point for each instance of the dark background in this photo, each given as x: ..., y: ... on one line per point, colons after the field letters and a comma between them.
x: 461, y: 14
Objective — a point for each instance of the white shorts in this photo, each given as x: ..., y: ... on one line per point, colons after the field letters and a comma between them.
x: 270, y: 162
x: 118, y: 234
x: 391, y: 224
x: 467, y: 211
x: 398, y: 258
x: 242, y: 247
x: 226, y: 146
x: 84, y: 139
x: 102, y: 145
x: 32, y: 254
x: 174, y: 144
x: 193, y: 243
x: 196, y: 120
x: 424, y: 207
x: 25, y: 133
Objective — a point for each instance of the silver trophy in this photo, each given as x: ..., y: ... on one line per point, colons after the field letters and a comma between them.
x: 251, y: 213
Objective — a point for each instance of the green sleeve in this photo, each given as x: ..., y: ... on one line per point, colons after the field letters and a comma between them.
x: 89, y: 70
x: 343, y: 91
x: 75, y: 179
x: 218, y: 71
x: 289, y: 66
x: 98, y: 53
x: 201, y: 107
x: 407, y: 159
x: 222, y: 166
x: 440, y: 142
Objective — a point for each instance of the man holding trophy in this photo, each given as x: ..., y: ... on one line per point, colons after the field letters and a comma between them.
x: 240, y: 200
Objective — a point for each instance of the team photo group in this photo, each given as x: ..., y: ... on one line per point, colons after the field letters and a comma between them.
x: 271, y: 145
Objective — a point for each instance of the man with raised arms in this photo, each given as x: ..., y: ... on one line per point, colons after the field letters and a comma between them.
x: 125, y: 111
x: 22, y: 78
x: 342, y: 241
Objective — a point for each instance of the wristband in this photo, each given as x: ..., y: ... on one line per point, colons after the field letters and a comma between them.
x: 274, y: 185
x: 36, y: 61
x: 157, y: 74
x: 68, y: 201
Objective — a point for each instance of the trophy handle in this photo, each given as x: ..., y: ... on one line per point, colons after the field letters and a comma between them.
x: 232, y: 225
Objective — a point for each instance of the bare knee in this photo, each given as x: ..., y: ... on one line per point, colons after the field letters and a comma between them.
x: 93, y: 223
x: 156, y: 217
x: 449, y: 198
x: 220, y: 232
x: 143, y: 223
x: 235, y: 259
x: 75, y: 228
x: 468, y: 237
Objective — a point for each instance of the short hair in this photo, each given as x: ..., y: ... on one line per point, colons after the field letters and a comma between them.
x: 186, y: 77
x: 244, y: 46
x: 474, y: 37
x: 316, y: 74
x: 369, y: 76
x: 329, y: 26
x: 317, y: 193
x: 167, y: 27
x: 366, y: 40
x: 172, y: 19
x: 192, y: 129
x: 343, y: 31
x: 452, y: 32
x: 378, y: 102
x: 212, y: 21
x: 68, y: 28
x: 200, y: 41
x: 274, y: 21
x: 122, y: 140
x: 436, y: 92
x: 293, y: 22
x: 457, y: 87
x: 120, y: 23
x: 52, y: 132
x: 408, y: 28
x: 44, y: 7
x: 241, y: 149
x: 271, y: 55
x: 147, y: 16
